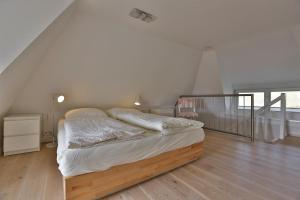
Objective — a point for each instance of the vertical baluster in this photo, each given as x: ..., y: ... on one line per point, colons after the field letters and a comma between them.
x: 266, y: 121
x: 225, y: 118
x: 205, y: 111
x: 283, y: 116
x: 210, y: 103
x: 237, y: 115
x: 252, y: 118
x: 244, y: 103
x: 245, y: 122
x: 232, y: 114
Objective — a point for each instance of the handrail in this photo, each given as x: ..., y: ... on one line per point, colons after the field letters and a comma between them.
x: 217, y: 95
x: 214, y: 95
x: 233, y: 97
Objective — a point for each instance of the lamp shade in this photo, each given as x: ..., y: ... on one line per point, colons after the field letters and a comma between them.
x: 60, y: 98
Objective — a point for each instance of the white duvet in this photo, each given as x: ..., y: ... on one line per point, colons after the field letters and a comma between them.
x: 89, y: 131
x: 166, y: 125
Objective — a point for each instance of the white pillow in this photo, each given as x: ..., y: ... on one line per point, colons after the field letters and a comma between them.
x: 85, y: 112
x: 113, y: 112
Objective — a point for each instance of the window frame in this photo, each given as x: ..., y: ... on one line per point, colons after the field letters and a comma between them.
x: 255, y: 107
x: 267, y: 95
x: 237, y: 91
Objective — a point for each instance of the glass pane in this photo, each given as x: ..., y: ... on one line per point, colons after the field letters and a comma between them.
x: 259, y: 99
x: 292, y: 99
x: 274, y: 95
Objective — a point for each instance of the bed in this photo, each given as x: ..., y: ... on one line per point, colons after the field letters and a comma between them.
x: 102, y: 169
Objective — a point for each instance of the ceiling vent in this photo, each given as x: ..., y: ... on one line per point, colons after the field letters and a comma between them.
x: 142, y: 15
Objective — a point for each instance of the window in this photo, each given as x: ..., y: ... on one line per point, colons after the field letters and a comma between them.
x: 259, y: 99
x: 292, y: 99
x: 264, y: 96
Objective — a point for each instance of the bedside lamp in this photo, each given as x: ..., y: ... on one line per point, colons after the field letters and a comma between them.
x: 137, y: 101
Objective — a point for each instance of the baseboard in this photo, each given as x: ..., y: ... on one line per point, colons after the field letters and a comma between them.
x: 294, y: 134
x: 21, y: 151
x: 46, y: 140
x: 293, y: 127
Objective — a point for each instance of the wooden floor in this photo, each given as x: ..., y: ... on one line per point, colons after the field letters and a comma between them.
x: 230, y: 169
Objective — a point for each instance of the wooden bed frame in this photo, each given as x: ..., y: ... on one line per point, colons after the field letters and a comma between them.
x: 100, y: 184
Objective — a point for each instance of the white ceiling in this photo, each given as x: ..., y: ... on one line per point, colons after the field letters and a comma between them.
x: 200, y: 23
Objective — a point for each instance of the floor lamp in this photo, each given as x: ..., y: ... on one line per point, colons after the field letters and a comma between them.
x: 137, y: 101
x: 56, y: 99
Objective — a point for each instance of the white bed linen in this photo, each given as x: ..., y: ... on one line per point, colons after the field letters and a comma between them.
x: 166, y: 125
x: 92, y: 130
x: 74, y: 162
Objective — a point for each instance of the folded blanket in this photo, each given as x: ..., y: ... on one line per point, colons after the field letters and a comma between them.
x: 164, y: 124
x: 89, y: 131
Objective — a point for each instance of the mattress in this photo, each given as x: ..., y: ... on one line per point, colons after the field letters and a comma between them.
x: 74, y: 162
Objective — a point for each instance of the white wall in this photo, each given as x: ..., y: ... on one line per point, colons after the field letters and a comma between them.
x: 266, y: 60
x: 21, y: 22
x: 97, y: 62
x: 296, y: 33
x: 208, y: 79
x: 14, y: 78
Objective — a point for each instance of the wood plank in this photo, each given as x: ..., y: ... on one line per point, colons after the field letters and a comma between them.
x: 262, y: 186
x: 159, y: 191
x: 181, y: 190
x: 229, y: 188
x: 261, y: 169
x: 12, y: 175
x: 261, y: 166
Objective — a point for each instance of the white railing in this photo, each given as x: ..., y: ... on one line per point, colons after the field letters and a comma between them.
x: 265, y: 114
x: 220, y: 112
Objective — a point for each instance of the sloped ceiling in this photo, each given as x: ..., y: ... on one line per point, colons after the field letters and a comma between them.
x: 200, y: 23
x: 269, y: 60
x: 21, y: 22
x: 97, y: 62
x: 14, y: 77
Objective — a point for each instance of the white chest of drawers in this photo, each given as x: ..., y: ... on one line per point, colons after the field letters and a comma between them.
x: 21, y: 133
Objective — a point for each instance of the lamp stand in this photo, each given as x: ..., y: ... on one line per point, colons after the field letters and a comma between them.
x: 53, y: 143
